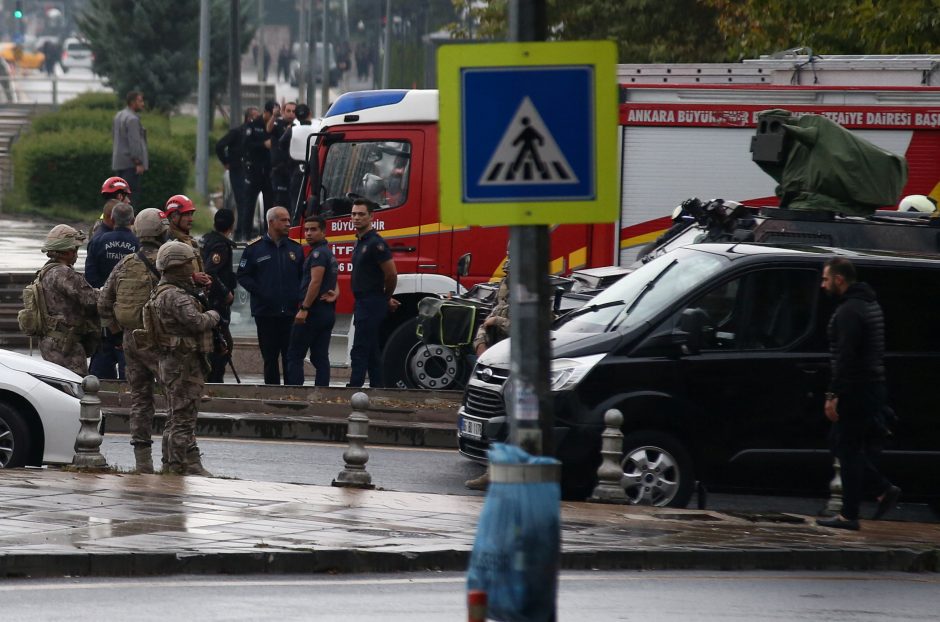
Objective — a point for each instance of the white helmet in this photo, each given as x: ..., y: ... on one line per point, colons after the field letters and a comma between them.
x: 917, y: 203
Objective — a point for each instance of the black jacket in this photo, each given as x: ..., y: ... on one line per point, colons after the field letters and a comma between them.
x: 856, y: 339
x: 230, y: 148
x: 217, y: 259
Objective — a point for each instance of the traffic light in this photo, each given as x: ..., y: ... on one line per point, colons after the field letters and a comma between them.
x: 18, y: 10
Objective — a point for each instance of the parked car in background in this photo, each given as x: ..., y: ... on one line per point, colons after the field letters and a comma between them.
x: 76, y: 54
x: 39, y: 410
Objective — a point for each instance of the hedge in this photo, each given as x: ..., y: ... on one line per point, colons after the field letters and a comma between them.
x: 93, y: 119
x: 67, y: 168
x: 94, y: 101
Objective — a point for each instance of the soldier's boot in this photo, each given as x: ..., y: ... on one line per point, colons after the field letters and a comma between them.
x: 143, y: 457
x: 479, y: 483
x: 194, y: 463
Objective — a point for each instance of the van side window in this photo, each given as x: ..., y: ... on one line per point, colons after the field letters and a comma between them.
x: 763, y: 310
x: 908, y: 298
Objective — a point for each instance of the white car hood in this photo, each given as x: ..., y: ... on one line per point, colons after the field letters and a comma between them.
x: 33, y: 365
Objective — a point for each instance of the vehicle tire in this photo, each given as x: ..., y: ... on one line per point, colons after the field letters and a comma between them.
x: 15, y: 438
x: 657, y: 470
x: 407, y: 363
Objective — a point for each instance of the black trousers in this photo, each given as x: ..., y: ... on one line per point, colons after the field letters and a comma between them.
x: 856, y: 440
x: 274, y: 340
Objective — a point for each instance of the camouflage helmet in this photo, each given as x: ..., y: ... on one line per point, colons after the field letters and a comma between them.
x: 151, y: 223
x: 173, y: 254
x: 63, y: 238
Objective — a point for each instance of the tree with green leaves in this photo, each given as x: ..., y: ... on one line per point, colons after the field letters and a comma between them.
x: 646, y: 31
x: 754, y: 27
x: 153, y: 46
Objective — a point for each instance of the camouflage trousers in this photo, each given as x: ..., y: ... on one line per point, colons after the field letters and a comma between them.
x: 142, y: 369
x: 65, y: 352
x: 184, y: 377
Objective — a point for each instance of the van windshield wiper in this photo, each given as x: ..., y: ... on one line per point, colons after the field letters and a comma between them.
x: 593, y: 308
x: 646, y: 288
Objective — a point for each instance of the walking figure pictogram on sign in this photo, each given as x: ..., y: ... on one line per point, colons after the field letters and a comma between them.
x: 527, y: 154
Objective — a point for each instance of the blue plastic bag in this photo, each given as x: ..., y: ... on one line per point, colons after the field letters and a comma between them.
x: 517, y: 549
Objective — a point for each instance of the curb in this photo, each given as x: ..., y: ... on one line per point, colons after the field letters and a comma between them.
x: 363, y: 561
x: 220, y: 425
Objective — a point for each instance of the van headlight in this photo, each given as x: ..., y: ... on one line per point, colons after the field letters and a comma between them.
x: 68, y: 387
x: 568, y: 372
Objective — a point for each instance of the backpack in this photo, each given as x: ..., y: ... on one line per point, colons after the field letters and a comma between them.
x: 33, y: 317
x: 133, y: 291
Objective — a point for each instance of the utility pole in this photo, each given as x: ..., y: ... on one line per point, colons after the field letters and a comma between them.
x: 205, y: 106
x: 325, y: 64
x: 303, y: 75
x: 388, y: 43
x: 234, y: 65
x: 311, y: 95
x: 261, y: 84
x: 530, y: 408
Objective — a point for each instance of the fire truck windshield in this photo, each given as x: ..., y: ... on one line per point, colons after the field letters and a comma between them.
x: 378, y: 171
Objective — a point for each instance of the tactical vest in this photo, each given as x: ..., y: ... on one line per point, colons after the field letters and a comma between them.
x: 154, y: 335
x: 133, y: 291
x: 33, y: 318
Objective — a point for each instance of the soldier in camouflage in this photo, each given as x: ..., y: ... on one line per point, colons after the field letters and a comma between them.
x: 181, y: 330
x: 179, y: 210
x: 71, y: 303
x: 120, y: 306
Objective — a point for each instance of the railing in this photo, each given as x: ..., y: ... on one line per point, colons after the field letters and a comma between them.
x: 38, y: 89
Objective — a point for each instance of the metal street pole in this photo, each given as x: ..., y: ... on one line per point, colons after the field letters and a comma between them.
x: 260, y: 63
x: 325, y: 64
x: 387, y: 53
x: 311, y: 96
x: 234, y: 65
x: 303, y: 74
x: 205, y: 106
x: 530, y: 408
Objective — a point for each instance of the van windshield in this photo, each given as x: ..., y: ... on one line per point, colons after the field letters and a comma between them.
x: 643, y: 293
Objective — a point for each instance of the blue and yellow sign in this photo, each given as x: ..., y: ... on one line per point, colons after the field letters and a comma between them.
x: 528, y: 133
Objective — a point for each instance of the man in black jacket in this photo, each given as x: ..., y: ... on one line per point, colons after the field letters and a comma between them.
x: 217, y: 248
x: 856, y: 400
x: 231, y: 153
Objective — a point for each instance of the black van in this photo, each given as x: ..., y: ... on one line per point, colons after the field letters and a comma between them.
x: 717, y: 356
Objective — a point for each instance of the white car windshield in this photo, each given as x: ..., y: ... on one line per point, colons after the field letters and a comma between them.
x: 643, y: 293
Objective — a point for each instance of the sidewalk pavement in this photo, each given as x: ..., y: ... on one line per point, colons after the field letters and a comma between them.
x: 64, y: 523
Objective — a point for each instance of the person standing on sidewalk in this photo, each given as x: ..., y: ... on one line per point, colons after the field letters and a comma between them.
x: 217, y: 247
x: 313, y: 324
x: 231, y: 153
x: 129, y: 159
x: 71, y: 330
x: 270, y: 271
x: 104, y: 253
x: 114, y: 190
x: 374, y: 279
x: 856, y: 401
x: 120, y: 305
x: 181, y: 330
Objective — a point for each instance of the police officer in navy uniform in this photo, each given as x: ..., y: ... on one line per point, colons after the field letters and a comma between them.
x: 313, y: 324
x: 217, y: 246
x: 270, y: 270
x: 257, y: 158
x: 373, y: 282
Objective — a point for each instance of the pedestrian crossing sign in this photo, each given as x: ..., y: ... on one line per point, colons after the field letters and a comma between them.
x: 528, y: 133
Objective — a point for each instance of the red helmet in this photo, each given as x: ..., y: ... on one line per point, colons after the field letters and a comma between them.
x: 178, y: 203
x: 115, y: 184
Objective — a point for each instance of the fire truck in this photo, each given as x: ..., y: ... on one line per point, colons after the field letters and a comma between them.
x: 684, y: 131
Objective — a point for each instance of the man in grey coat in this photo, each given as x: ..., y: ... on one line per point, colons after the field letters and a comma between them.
x: 129, y: 157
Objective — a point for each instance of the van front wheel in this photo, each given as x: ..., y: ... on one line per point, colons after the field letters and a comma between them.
x: 657, y: 470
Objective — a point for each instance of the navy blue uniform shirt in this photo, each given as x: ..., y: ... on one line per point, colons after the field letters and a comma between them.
x: 271, y: 273
x: 105, y: 251
x: 320, y: 256
x: 370, y: 253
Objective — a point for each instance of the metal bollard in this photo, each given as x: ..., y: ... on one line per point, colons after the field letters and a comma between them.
x: 88, y: 442
x: 610, y: 473
x: 834, y: 505
x: 355, y: 474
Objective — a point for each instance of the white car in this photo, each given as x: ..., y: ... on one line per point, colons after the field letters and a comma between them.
x: 76, y: 54
x: 39, y: 410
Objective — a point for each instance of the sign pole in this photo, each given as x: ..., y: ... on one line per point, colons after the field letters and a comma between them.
x: 529, y: 401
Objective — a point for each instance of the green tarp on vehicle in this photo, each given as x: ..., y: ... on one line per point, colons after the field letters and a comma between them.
x: 820, y: 165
